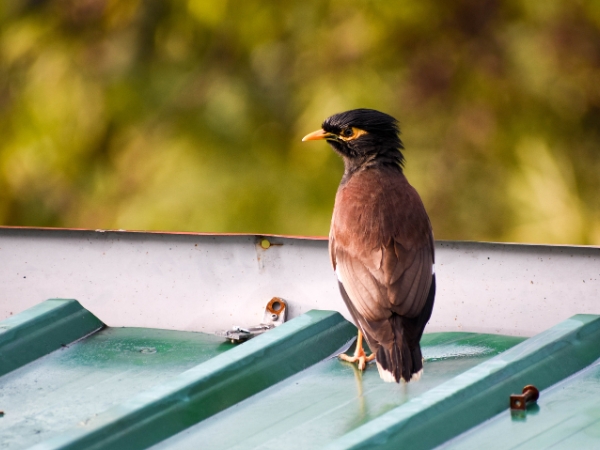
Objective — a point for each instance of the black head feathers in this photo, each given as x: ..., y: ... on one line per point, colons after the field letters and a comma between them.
x: 363, y: 136
x: 369, y: 120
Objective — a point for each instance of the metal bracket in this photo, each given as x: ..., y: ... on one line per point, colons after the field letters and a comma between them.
x: 275, y: 314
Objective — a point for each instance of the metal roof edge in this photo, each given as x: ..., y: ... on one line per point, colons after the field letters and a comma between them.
x: 42, y: 329
x: 528, y: 245
x: 482, y: 392
x: 212, y: 386
x: 443, y: 242
x: 162, y: 232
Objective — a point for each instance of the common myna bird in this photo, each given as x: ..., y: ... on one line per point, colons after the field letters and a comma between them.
x: 380, y: 243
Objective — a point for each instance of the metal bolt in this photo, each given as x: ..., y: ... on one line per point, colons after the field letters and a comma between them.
x: 519, y: 401
x: 264, y: 243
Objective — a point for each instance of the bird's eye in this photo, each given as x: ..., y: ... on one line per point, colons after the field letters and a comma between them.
x: 347, y: 132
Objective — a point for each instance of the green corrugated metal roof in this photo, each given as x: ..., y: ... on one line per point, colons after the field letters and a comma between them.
x: 330, y: 399
x: 68, y: 385
x: 567, y: 415
x: 73, y: 384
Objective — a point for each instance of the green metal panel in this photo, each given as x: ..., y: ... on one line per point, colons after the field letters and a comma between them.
x: 482, y: 392
x: 211, y: 387
x: 41, y: 330
x: 68, y: 386
x: 176, y: 389
x: 331, y: 398
x: 567, y: 415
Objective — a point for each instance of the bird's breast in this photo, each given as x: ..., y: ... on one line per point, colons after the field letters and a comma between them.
x: 375, y: 207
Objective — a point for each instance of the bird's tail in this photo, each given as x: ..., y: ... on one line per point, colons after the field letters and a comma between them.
x: 400, y: 360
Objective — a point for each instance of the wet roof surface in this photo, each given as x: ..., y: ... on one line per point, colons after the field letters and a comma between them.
x: 328, y: 400
x: 71, y: 382
x: 567, y: 415
x: 64, y: 388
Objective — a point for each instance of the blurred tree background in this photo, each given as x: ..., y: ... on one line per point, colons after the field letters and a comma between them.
x: 188, y: 115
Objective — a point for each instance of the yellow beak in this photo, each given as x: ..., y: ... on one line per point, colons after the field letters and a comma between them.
x: 318, y: 136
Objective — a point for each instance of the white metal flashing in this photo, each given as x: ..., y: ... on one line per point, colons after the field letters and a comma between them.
x: 208, y: 282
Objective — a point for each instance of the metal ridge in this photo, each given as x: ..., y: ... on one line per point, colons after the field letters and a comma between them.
x: 212, y: 386
x: 445, y: 242
x: 42, y: 329
x: 184, y: 233
x: 482, y: 392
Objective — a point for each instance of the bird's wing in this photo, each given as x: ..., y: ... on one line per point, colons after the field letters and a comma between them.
x: 399, y: 286
x: 383, y: 251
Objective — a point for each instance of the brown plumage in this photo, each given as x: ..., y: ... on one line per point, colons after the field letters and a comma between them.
x: 380, y: 243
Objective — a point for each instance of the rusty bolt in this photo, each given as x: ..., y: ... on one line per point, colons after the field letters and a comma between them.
x: 519, y: 401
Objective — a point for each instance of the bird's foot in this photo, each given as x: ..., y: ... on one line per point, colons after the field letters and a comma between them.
x: 360, y: 357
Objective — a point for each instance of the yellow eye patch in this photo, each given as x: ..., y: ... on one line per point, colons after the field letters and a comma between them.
x: 350, y: 134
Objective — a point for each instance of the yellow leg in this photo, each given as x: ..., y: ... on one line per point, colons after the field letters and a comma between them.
x: 359, y: 354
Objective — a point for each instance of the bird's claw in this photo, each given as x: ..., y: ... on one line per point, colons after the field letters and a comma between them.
x: 359, y: 357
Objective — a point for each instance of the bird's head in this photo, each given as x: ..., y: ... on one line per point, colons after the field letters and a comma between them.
x: 362, y: 135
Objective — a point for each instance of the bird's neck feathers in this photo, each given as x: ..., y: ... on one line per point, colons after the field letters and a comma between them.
x: 391, y: 158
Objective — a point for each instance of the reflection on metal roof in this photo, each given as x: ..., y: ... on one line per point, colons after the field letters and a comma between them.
x: 137, y: 388
x: 73, y: 384
x: 323, y: 403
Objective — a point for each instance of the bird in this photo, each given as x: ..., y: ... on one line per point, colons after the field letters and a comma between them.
x: 381, y: 243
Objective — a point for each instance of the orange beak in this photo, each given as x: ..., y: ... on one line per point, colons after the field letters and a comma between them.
x: 318, y: 136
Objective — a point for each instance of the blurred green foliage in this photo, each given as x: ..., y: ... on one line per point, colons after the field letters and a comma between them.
x: 188, y: 115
